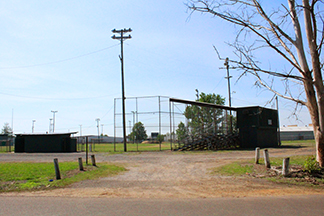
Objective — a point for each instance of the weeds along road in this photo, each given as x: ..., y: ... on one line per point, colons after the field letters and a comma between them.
x: 168, y: 175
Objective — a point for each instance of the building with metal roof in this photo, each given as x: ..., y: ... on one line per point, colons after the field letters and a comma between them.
x: 55, y: 142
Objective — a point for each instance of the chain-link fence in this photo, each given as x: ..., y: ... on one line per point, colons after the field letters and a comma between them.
x: 202, y: 126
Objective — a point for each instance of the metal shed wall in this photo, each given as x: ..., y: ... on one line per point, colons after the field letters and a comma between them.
x: 258, y: 127
x: 296, y: 135
x: 45, y: 143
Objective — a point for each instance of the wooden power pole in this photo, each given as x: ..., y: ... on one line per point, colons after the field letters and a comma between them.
x: 121, y: 57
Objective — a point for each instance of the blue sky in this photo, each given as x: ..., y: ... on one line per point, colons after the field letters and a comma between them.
x: 59, y: 55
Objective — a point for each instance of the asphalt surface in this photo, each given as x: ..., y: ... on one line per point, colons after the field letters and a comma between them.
x: 289, y: 205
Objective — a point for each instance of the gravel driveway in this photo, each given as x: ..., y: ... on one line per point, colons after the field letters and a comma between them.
x: 168, y: 175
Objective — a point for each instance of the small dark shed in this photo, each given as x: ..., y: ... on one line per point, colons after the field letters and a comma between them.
x: 258, y: 127
x: 57, y: 142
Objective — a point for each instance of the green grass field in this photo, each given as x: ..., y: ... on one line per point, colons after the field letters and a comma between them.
x: 33, y: 176
x: 109, y: 147
x: 243, y: 167
x: 119, y: 147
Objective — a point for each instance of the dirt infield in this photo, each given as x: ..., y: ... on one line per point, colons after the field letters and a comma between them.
x: 171, y: 175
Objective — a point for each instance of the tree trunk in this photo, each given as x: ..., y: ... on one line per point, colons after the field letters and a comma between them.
x: 319, y: 140
x: 317, y: 80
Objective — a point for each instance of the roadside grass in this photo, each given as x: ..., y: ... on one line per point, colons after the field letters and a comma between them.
x: 297, y: 143
x: 38, y: 176
x: 248, y: 168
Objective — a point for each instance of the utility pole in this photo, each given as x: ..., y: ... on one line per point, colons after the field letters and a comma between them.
x: 133, y: 126
x: 102, y: 129
x: 279, y: 140
x: 33, y: 125
x: 229, y: 92
x: 50, y: 126
x: 54, y: 119
x: 98, y: 120
x: 12, y: 125
x: 121, y: 57
x: 80, y: 130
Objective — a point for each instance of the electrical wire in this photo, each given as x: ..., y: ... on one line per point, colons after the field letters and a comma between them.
x: 44, y: 98
x: 59, y: 61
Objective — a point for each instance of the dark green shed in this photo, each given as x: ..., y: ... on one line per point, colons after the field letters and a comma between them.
x: 57, y: 142
x: 258, y: 127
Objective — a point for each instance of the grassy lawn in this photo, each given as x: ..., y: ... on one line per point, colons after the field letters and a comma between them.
x: 250, y: 169
x: 35, y: 176
x: 247, y: 166
x: 298, y: 143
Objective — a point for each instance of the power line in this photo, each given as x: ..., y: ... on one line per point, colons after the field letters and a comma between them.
x: 59, y: 61
x: 43, y: 98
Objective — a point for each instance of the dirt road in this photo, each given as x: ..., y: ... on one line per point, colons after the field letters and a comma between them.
x: 177, y: 175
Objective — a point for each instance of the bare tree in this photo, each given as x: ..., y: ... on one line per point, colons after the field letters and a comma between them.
x: 281, y: 31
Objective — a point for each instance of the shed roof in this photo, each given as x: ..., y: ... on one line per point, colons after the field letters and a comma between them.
x: 291, y: 129
x: 46, y: 134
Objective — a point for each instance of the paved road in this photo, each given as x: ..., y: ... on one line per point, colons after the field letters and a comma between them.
x: 289, y: 205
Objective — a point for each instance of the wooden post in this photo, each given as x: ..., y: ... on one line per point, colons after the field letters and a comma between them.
x: 93, y: 160
x: 57, y: 169
x: 9, y: 144
x: 80, y: 164
x: 257, y: 155
x: 285, y: 166
x: 266, y: 158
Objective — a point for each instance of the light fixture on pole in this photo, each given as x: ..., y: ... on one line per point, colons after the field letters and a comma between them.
x: 121, y: 57
x: 54, y: 119
x: 33, y: 125
x: 102, y: 129
x: 98, y: 120
x: 50, y: 126
x: 80, y: 130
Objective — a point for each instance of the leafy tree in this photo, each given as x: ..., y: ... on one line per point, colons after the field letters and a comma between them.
x: 202, y: 120
x: 182, y: 132
x: 6, y: 129
x: 160, y: 138
x: 138, y: 133
x: 279, y: 31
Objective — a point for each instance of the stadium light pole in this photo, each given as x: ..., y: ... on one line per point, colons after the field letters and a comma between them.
x: 121, y: 57
x: 80, y: 130
x: 102, y: 126
x: 98, y: 120
x: 33, y: 126
x: 50, y: 126
x: 54, y: 119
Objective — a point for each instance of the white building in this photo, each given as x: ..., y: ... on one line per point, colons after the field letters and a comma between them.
x: 296, y: 133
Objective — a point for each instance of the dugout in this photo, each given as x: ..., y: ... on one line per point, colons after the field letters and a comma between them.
x: 46, y: 143
x: 258, y: 127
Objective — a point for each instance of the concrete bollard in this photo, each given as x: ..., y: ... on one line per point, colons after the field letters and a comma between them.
x: 285, y: 166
